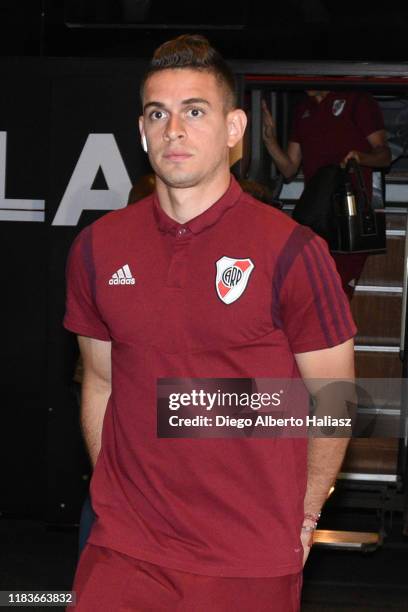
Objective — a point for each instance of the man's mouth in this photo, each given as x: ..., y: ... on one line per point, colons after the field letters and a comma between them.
x: 177, y: 156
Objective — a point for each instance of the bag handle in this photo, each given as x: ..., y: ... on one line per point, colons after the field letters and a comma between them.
x: 366, y: 212
x: 353, y: 166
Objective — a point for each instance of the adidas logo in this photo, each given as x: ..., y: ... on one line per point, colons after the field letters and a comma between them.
x: 122, y: 277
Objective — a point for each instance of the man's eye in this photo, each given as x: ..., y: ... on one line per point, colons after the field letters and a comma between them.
x: 195, y: 112
x: 156, y: 115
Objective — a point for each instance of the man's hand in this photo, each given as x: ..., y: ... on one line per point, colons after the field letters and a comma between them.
x: 268, y: 125
x: 352, y: 155
x: 306, y: 538
x: 288, y: 162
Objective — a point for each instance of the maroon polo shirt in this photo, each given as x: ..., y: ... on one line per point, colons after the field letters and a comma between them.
x: 328, y: 130
x: 220, y: 507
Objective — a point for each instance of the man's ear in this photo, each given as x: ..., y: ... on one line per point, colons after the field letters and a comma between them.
x: 236, y: 124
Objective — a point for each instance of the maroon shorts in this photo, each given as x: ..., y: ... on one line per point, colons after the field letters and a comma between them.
x: 108, y: 581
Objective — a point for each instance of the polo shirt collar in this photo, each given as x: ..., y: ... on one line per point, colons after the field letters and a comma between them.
x: 332, y: 95
x: 206, y: 219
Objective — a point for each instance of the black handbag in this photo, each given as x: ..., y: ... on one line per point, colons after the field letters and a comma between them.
x: 338, y: 208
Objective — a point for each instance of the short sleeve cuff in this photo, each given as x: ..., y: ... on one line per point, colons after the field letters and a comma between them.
x: 82, y: 329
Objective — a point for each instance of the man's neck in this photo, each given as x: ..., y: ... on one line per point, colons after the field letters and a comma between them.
x: 183, y: 204
x: 321, y: 96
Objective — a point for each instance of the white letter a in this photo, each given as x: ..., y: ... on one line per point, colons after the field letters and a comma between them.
x: 100, y: 151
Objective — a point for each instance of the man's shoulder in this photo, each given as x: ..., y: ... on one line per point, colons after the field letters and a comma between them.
x: 273, y: 227
x: 123, y: 216
x: 265, y: 214
x: 114, y: 228
x: 354, y: 97
x: 304, y: 105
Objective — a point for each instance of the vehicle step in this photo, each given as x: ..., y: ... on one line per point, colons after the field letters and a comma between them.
x: 363, y: 541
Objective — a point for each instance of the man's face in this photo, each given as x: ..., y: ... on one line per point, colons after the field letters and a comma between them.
x: 318, y: 94
x: 188, y: 130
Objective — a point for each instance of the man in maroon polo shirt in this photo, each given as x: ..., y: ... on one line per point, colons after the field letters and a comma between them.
x: 331, y: 127
x: 187, y: 524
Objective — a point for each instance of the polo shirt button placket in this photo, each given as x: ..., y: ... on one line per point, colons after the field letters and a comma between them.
x: 179, y: 261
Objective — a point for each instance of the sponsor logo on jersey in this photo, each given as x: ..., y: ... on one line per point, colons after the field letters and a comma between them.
x: 306, y: 114
x: 232, y: 278
x: 338, y: 106
x: 122, y: 277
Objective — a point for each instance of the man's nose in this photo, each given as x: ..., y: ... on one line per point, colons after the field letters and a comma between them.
x: 174, y: 128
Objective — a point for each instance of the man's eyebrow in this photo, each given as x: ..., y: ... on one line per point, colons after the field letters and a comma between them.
x: 154, y: 103
x: 196, y: 101
x: 184, y: 103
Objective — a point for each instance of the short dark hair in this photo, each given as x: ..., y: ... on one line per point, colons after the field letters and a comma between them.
x: 192, y: 51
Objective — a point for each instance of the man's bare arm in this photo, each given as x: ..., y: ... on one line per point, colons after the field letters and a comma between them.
x: 378, y: 157
x: 288, y: 161
x: 325, y: 455
x: 96, y: 389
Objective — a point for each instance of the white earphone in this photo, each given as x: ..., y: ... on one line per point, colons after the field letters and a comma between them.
x: 144, y: 143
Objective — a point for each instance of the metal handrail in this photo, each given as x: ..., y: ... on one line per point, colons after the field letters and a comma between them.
x: 404, y: 296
